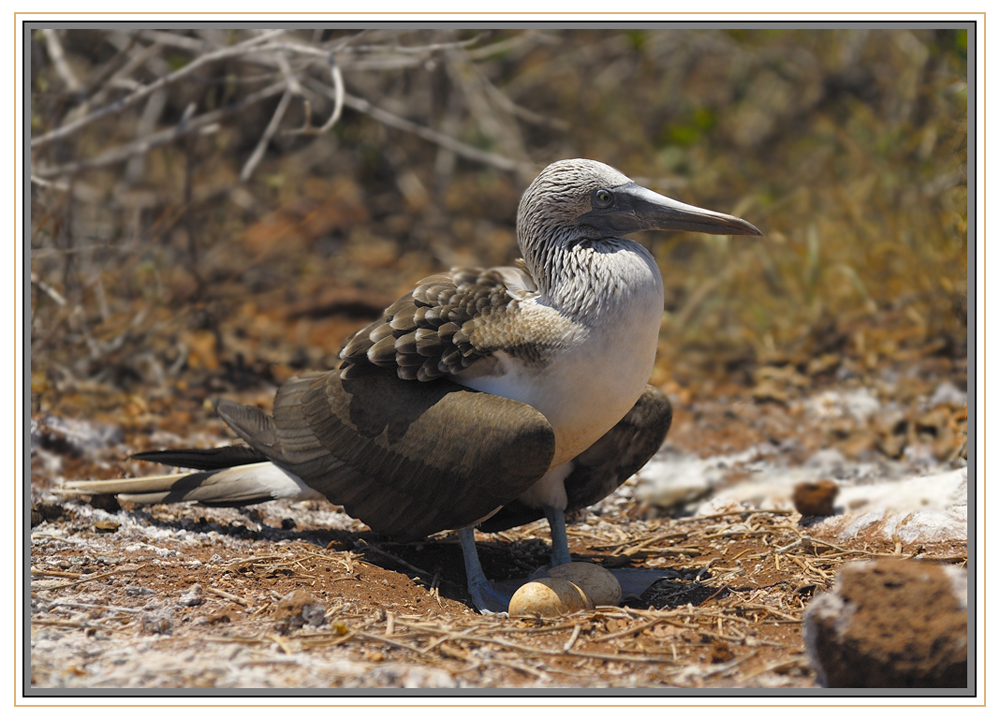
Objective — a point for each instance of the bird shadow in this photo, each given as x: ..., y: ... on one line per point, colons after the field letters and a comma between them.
x: 437, y: 562
x: 431, y: 562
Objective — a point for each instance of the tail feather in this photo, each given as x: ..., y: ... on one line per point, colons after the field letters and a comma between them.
x: 207, y: 459
x: 140, y: 485
x: 230, y: 487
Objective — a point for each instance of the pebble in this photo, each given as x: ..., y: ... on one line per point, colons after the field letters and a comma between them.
x: 194, y: 596
x: 156, y: 624
x: 815, y: 498
x: 297, y: 609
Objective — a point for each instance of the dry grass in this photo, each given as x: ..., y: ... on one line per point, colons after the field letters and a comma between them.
x: 846, y: 146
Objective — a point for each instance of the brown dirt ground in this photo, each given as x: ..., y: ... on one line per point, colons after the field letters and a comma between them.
x: 730, y: 618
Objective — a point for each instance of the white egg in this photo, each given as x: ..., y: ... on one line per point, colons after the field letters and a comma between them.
x: 548, y: 597
x: 600, y: 585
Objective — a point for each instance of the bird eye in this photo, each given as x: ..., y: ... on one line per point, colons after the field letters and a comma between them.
x: 604, y: 198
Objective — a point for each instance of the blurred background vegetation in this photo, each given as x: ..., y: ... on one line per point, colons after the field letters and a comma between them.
x: 209, y: 234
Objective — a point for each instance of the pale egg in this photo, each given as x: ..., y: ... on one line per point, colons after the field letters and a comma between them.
x: 548, y: 597
x: 600, y: 585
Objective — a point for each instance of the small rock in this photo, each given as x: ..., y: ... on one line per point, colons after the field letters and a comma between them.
x: 194, y: 596
x: 226, y: 616
x: 815, y: 498
x: 407, y: 676
x: 298, y: 608
x: 938, y: 428
x: 156, y: 624
x: 46, y: 511
x: 107, y: 502
x: 76, y: 437
x: 891, y: 623
x: 721, y: 652
x: 823, y: 364
x: 770, y: 391
x: 859, y: 404
x: 948, y: 393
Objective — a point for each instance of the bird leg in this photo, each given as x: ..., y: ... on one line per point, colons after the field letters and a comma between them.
x: 557, y: 532
x: 486, y: 598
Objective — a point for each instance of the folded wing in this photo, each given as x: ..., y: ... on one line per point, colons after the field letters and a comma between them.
x: 407, y: 458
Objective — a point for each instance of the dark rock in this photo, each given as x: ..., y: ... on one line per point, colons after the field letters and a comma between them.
x: 107, y: 502
x: 46, y: 512
x: 891, y: 623
x: 815, y: 498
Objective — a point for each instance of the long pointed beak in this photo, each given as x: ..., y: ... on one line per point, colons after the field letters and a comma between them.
x: 657, y: 212
x: 637, y: 208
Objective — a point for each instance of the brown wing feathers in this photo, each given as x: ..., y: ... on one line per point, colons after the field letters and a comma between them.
x: 381, y: 448
x: 431, y: 332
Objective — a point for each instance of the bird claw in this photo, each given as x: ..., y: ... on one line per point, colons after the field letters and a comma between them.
x: 488, y: 599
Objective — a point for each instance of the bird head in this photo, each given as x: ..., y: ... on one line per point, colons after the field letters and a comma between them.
x: 585, y: 199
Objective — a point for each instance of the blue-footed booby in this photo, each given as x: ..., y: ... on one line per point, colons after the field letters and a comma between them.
x: 484, y: 397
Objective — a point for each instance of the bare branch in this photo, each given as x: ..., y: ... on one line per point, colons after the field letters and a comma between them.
x: 338, y: 95
x: 408, y: 57
x: 286, y: 70
x: 61, y: 186
x: 349, y: 40
x: 518, y: 42
x: 338, y: 104
x: 66, y: 130
x: 272, y: 127
x: 98, y: 79
x: 418, y: 49
x: 172, y: 39
x: 264, y: 50
x: 460, y: 148
x: 55, y: 50
x: 122, y: 153
x: 151, y: 113
x: 525, y: 114
x: 48, y: 289
x: 495, y: 122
